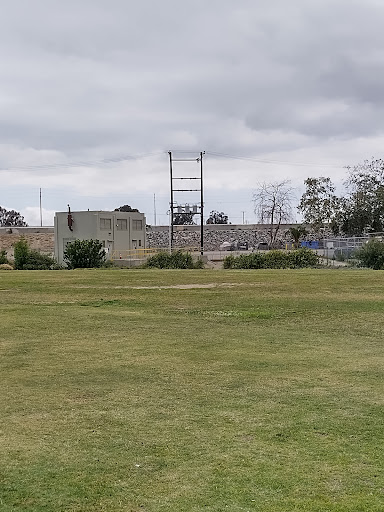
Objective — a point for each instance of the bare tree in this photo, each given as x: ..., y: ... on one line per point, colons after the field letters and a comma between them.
x: 272, y: 203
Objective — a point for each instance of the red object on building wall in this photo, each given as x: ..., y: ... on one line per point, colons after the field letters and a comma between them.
x: 70, y: 219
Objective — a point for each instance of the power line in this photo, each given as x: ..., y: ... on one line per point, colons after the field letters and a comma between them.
x: 67, y: 165
x: 123, y: 158
x: 279, y: 162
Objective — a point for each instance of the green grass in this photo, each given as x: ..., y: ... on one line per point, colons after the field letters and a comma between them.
x: 257, y: 391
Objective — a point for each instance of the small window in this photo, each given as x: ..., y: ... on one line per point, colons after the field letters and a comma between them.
x: 137, y: 225
x: 105, y: 224
x: 121, y: 225
x: 139, y: 243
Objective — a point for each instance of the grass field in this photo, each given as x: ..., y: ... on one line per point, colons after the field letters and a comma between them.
x: 147, y: 390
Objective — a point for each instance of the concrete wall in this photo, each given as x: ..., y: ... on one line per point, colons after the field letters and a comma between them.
x: 39, y: 238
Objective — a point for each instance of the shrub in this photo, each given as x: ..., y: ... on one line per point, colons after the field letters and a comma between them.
x: 371, y: 255
x: 276, y: 259
x: 343, y: 254
x: 84, y: 254
x: 299, y: 258
x: 199, y: 263
x: 229, y: 261
x: 338, y: 255
x: 3, y: 257
x: 20, y: 253
x: 177, y: 259
x: 244, y: 261
x: 30, y: 259
x: 302, y: 258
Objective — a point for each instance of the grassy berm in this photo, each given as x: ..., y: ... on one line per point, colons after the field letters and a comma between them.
x: 156, y: 390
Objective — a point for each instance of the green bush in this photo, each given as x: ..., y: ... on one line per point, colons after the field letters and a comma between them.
x: 254, y: 260
x: 20, y: 253
x: 30, y: 259
x: 371, y: 255
x: 3, y: 257
x: 276, y: 259
x: 177, y: 259
x: 84, y: 254
x: 299, y: 258
x: 302, y: 258
x: 229, y: 261
x: 199, y: 263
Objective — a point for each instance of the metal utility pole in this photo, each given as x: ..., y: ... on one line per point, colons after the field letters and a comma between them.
x: 201, y: 206
x: 185, y: 209
x: 154, y: 209
x: 41, y: 211
x: 171, y: 204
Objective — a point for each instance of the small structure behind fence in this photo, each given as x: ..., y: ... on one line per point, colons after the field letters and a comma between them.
x: 136, y: 257
x: 342, y: 248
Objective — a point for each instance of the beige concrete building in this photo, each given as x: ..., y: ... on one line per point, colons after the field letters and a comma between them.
x: 118, y: 231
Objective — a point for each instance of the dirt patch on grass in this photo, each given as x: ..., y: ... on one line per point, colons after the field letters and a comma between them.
x: 165, y: 287
x: 184, y: 286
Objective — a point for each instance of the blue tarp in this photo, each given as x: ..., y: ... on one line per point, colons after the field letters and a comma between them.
x: 312, y: 244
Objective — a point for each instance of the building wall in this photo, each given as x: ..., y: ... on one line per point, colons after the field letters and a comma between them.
x: 118, y: 231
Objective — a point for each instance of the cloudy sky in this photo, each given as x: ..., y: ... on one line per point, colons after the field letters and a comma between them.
x: 93, y: 93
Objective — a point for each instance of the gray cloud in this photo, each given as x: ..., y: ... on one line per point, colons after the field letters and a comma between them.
x: 278, y: 80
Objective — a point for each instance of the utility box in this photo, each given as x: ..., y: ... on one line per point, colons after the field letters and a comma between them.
x: 117, y: 231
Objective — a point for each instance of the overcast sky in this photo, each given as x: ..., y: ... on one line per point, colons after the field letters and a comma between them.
x: 294, y: 88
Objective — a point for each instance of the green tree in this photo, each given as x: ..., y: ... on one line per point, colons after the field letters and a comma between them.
x: 216, y: 217
x: 362, y: 209
x: 11, y: 218
x: 126, y: 208
x: 180, y: 219
x: 297, y: 234
x: 319, y: 204
x: 84, y: 254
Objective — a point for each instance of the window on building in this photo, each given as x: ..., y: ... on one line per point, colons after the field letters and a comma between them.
x: 105, y: 223
x: 137, y: 225
x: 121, y: 225
x: 139, y: 243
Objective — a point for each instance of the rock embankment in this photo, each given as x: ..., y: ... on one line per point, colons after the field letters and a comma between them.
x: 215, y: 235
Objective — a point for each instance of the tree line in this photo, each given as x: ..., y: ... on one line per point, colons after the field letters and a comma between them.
x: 359, y: 211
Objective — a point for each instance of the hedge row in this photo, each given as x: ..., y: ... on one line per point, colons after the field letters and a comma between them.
x: 299, y: 258
x: 177, y: 259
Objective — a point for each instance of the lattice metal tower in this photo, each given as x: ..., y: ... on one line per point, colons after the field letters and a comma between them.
x: 186, y: 209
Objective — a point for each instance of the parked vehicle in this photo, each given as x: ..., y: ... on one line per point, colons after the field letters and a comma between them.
x: 226, y: 246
